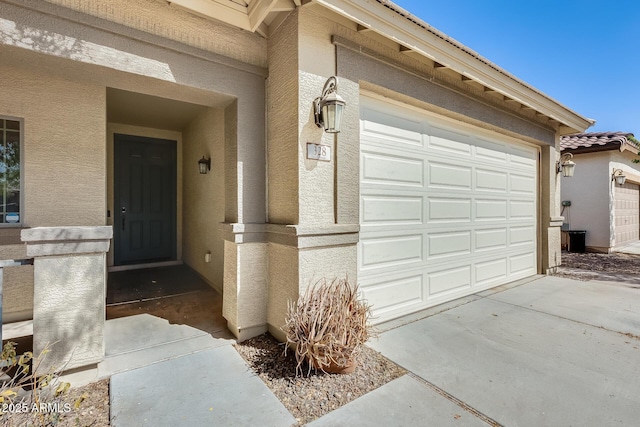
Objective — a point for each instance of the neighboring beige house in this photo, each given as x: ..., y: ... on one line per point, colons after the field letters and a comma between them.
x: 607, y: 210
x: 441, y: 183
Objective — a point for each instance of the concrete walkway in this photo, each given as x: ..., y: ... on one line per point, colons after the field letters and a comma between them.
x: 166, y: 374
x: 547, y: 351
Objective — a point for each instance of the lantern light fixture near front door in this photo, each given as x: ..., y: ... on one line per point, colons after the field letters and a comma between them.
x: 566, y: 165
x: 618, y: 176
x: 328, y: 108
x: 204, y: 165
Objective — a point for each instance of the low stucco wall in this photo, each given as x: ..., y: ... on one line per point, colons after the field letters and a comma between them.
x: 17, y: 293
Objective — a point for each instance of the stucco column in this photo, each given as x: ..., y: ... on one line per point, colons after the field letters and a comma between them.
x: 313, y: 204
x: 69, y: 293
x: 245, y: 256
x: 550, y: 221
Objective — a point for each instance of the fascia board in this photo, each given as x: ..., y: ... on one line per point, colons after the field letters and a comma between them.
x: 450, y: 53
x: 258, y: 11
x: 221, y: 12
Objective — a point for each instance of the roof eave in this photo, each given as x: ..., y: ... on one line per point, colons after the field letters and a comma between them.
x: 431, y: 43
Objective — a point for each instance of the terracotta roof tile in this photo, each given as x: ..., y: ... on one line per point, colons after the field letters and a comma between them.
x: 596, y: 141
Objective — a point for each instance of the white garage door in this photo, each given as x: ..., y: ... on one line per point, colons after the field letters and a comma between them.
x: 445, y: 210
x: 627, y: 214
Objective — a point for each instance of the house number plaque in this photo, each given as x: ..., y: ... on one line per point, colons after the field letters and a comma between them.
x: 318, y: 152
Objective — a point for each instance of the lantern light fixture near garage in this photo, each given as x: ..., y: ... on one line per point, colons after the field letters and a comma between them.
x: 566, y: 165
x: 328, y: 108
x: 618, y: 176
x: 204, y: 165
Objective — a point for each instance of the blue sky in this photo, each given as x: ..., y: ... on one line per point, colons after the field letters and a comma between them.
x: 585, y: 54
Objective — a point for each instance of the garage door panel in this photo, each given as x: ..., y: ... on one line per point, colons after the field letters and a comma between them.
x: 523, y: 159
x: 491, y: 239
x: 449, y: 280
x: 490, y: 151
x: 391, y: 128
x: 448, y: 244
x: 391, y: 209
x: 488, y: 180
x: 522, y: 235
x: 392, y: 294
x: 446, y: 140
x: 391, y: 251
x: 446, y: 210
x: 522, y: 263
x: 627, y: 214
x: 466, y: 224
x: 487, y: 209
x: 492, y: 271
x: 521, y: 209
x: 379, y: 168
x: 521, y: 184
x: 443, y: 175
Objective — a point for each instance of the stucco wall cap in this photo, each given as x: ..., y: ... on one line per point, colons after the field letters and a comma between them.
x: 313, y: 230
x: 56, y: 234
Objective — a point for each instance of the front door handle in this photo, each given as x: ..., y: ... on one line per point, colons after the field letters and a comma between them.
x: 124, y: 211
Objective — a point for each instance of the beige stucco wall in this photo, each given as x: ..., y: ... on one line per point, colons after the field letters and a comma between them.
x: 282, y: 129
x: 62, y: 120
x: 550, y: 221
x: 589, y: 191
x: 204, y: 195
x: 162, y: 19
x: 17, y: 293
x: 113, y: 128
x: 246, y: 288
x: 303, y: 267
x: 74, y: 335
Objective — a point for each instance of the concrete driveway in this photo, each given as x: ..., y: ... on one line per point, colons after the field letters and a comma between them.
x: 547, y: 352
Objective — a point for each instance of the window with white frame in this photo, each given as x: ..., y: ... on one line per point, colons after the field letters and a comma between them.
x: 10, y: 180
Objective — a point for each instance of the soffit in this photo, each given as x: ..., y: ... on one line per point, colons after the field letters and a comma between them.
x: 250, y: 15
x: 149, y: 111
x: 416, y: 37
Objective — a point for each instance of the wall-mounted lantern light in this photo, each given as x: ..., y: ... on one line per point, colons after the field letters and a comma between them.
x: 204, y: 165
x: 618, y: 176
x: 328, y: 107
x: 565, y: 165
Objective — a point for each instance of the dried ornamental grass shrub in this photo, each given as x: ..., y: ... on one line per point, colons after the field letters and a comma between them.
x: 29, y: 397
x: 328, y: 325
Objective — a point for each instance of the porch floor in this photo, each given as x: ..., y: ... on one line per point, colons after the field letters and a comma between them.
x: 152, y: 283
x: 171, y: 312
x: 174, y: 293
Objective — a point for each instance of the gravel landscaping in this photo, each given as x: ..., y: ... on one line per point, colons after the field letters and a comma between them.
x: 310, y: 397
x: 606, y: 263
x: 93, y: 410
